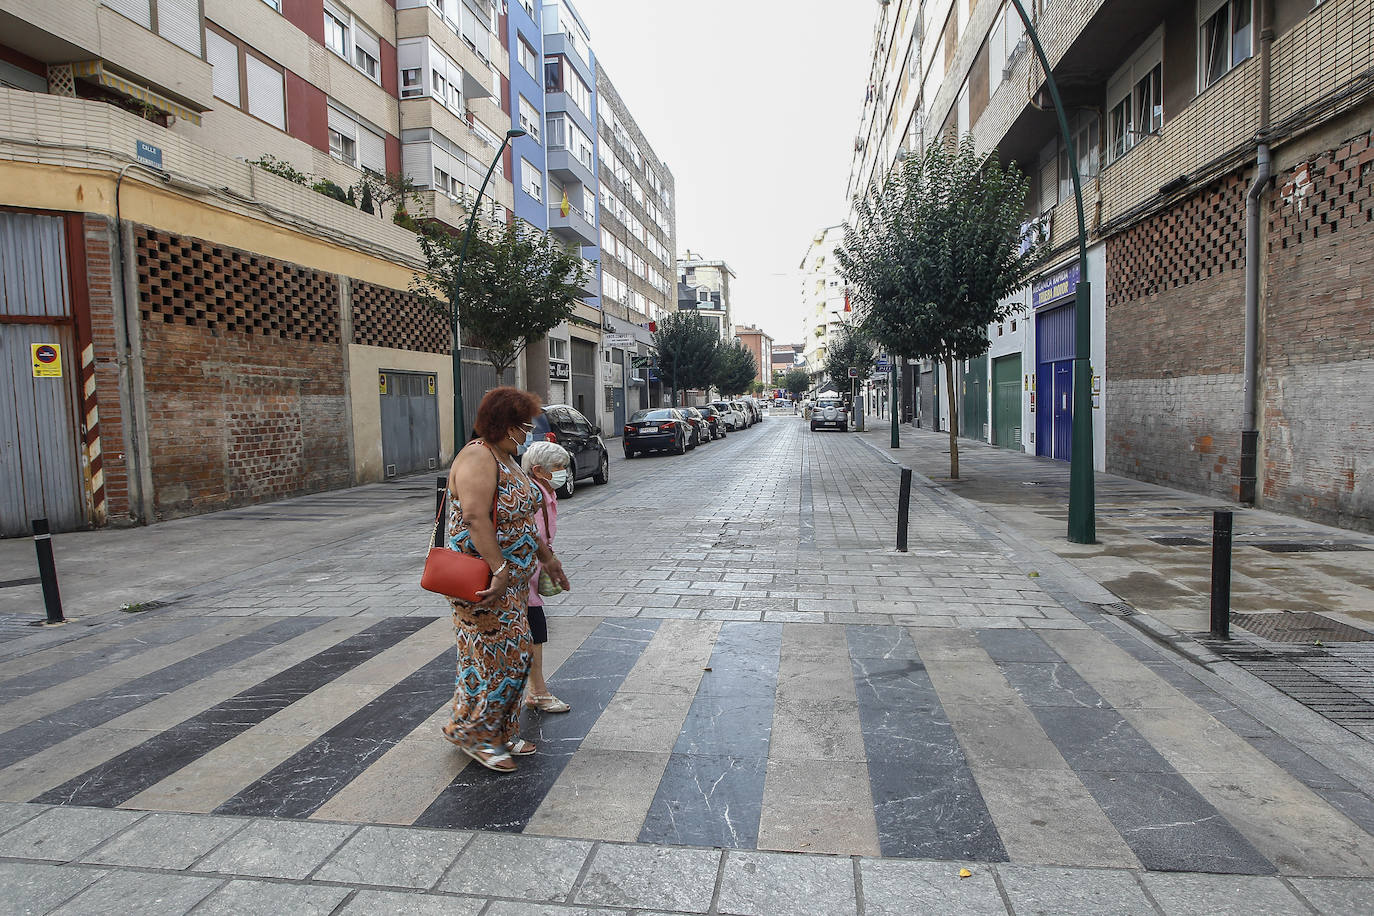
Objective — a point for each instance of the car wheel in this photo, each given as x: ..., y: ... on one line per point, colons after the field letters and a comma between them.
x: 603, y: 470
x: 680, y: 446
x: 813, y: 427
x: 629, y: 453
x: 567, y: 489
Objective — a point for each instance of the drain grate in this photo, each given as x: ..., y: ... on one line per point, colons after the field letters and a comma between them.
x: 1118, y: 609
x: 1305, y: 627
x: 1179, y: 541
x: 1297, y: 547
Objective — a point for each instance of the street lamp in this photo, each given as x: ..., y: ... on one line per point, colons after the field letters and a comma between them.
x: 1082, y: 515
x: 459, y: 426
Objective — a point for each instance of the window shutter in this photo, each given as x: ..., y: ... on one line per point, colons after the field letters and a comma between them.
x: 367, y: 41
x: 139, y: 11
x: 342, y: 123
x: 223, y: 56
x: 178, y: 21
x: 371, y: 150
x: 418, y: 161
x: 266, y: 92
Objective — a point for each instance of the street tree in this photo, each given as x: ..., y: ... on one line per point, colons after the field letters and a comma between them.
x: 687, y: 347
x: 517, y: 285
x: 850, y: 349
x: 796, y: 381
x: 735, y: 369
x: 932, y: 255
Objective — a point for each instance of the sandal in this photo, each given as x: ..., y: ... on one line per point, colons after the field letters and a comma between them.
x: 521, y: 748
x: 485, y: 754
x: 546, y: 703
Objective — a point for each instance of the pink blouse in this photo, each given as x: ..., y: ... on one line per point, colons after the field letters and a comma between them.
x: 545, y: 535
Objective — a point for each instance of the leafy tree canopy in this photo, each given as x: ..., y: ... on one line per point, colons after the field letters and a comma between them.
x: 850, y: 348
x: 735, y: 369
x: 796, y: 381
x: 687, y: 348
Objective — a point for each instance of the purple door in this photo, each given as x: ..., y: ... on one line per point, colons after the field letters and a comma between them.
x: 1063, y: 409
x: 1054, y: 352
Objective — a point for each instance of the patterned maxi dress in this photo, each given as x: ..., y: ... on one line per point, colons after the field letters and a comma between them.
x: 494, y: 642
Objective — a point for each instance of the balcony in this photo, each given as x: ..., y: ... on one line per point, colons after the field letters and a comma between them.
x: 575, y: 227
x: 568, y: 169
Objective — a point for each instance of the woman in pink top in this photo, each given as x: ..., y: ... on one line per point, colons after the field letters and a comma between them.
x: 547, y: 464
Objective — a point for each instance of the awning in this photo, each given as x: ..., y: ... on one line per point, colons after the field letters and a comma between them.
x: 96, y: 70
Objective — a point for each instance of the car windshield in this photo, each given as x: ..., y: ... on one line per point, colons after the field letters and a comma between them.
x: 829, y: 403
x: 721, y: 406
x: 664, y: 414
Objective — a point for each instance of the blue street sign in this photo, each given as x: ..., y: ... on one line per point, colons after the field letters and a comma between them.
x: 148, y: 154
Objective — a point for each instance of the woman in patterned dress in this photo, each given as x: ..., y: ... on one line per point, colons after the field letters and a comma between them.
x: 493, y: 635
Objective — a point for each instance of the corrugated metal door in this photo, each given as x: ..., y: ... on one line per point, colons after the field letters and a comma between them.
x: 410, y: 422
x: 1006, y: 414
x: 584, y: 376
x: 974, y: 419
x: 40, y: 453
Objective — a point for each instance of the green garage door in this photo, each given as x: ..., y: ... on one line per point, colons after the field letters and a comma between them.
x: 1006, y: 401
x: 974, y: 421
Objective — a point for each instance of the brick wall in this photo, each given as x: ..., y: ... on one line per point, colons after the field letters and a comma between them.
x: 1175, y: 342
x: 97, y: 237
x: 244, y: 376
x: 1317, y: 440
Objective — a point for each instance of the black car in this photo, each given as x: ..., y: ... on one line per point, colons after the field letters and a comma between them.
x: 713, y: 420
x: 566, y: 426
x: 701, y: 430
x: 660, y: 429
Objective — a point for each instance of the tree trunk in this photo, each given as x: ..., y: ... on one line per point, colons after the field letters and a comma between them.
x: 953, y: 395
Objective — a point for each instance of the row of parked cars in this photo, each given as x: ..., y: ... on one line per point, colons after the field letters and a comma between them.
x: 678, y: 429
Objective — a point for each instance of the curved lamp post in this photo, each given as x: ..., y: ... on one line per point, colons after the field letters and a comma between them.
x: 1082, y: 514
x: 460, y: 427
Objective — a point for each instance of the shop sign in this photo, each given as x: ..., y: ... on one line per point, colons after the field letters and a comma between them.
x: 1056, y: 286
x: 560, y: 371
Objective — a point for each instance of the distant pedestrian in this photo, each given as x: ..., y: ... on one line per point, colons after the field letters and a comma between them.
x: 492, y: 504
x: 547, y: 464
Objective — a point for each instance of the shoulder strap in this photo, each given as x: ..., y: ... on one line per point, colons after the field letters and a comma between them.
x: 544, y: 508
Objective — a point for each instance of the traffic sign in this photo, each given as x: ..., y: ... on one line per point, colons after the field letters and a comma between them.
x: 47, y: 360
x: 853, y: 372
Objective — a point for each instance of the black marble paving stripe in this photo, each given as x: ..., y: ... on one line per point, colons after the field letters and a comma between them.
x: 146, y: 637
x: 711, y: 792
x: 124, y: 776
x: 301, y: 784
x: 479, y: 799
x: 1163, y: 819
x: 926, y: 801
x: 806, y: 520
x: 39, y: 735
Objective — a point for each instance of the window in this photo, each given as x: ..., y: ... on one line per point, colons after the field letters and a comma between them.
x: 1225, y: 38
x: 336, y: 32
x: 1135, y: 104
x: 529, y: 118
x: 352, y: 41
x: 354, y: 142
x: 426, y: 70
x: 245, y: 80
x: 275, y: 4
x: 531, y: 179
x: 577, y: 91
x: 528, y: 59
x: 411, y: 85
x: 344, y: 149
x: 223, y: 56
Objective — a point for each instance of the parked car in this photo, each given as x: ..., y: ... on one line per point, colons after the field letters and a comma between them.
x: 657, y: 430
x: 734, y: 420
x: 700, y: 430
x: 714, y: 421
x: 755, y: 405
x: 582, y: 438
x: 829, y: 413
x: 743, y: 408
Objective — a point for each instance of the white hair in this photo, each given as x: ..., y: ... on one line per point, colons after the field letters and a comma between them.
x: 548, y: 455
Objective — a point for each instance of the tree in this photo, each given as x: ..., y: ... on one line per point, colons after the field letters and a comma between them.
x: 517, y: 284
x: 932, y: 254
x: 796, y: 381
x: 687, y: 348
x: 849, y: 349
x: 735, y: 369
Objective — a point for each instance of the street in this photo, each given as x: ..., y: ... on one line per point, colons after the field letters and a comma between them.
x: 751, y: 668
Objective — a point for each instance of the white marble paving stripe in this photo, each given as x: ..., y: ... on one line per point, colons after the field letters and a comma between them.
x: 403, y: 782
x: 81, y: 752
x: 210, y: 780
x: 1285, y: 820
x: 606, y: 789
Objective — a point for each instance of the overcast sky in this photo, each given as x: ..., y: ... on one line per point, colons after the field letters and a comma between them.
x: 754, y: 105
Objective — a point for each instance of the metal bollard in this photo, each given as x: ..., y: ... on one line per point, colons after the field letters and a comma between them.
x: 440, y: 488
x: 903, y: 509
x: 47, y: 572
x: 1221, y: 574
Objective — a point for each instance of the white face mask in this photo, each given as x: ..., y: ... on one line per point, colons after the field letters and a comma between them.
x: 559, y: 478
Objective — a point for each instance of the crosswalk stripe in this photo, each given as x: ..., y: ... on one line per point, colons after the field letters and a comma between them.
x: 927, y: 801
x: 478, y: 799
x: 133, y: 771
x: 29, y: 739
x: 1289, y: 824
x: 60, y: 663
x: 607, y: 788
x: 398, y: 786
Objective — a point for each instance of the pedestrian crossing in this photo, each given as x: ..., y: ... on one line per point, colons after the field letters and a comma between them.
x: 992, y: 745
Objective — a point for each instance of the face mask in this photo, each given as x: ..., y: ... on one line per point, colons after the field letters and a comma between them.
x: 521, y: 446
x: 559, y: 479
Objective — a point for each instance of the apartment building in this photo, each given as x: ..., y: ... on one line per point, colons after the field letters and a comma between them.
x: 219, y: 327
x: 703, y: 286
x: 1224, y: 147
x: 822, y: 298
x: 760, y: 344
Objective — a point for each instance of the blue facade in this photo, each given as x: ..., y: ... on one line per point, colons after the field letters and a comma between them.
x: 522, y: 83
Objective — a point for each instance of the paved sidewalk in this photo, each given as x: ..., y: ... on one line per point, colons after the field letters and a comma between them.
x: 773, y: 713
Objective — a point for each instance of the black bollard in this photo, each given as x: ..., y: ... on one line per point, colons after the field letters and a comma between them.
x: 47, y: 571
x: 903, y: 508
x: 440, y: 488
x: 1221, y: 574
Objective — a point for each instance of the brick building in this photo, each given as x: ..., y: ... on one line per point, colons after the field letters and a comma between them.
x: 1176, y: 107
x: 760, y: 345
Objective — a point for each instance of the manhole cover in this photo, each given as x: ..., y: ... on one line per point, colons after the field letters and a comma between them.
x: 1296, y: 547
x: 1305, y: 627
x: 1179, y: 541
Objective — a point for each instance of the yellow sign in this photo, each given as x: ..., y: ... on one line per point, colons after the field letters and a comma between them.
x: 381, y: 382
x: 430, y: 381
x: 47, y: 360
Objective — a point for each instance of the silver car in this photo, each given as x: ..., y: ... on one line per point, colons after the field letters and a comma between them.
x: 830, y: 413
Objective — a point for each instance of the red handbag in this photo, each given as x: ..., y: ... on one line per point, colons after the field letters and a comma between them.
x: 452, y: 573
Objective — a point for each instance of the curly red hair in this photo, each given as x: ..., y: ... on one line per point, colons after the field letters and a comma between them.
x: 503, y: 408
